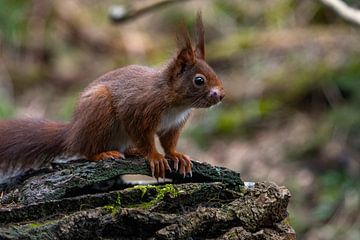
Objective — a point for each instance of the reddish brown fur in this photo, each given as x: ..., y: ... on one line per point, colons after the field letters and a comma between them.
x: 26, y: 144
x: 123, y: 109
x: 94, y: 123
x: 107, y: 155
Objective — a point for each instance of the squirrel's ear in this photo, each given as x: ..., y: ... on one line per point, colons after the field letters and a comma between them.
x: 200, y: 39
x: 186, y: 53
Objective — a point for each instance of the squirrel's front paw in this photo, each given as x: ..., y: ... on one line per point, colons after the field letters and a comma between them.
x: 158, y: 165
x: 185, y: 162
x: 108, y: 155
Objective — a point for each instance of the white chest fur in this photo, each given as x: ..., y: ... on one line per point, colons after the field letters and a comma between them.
x: 173, y: 117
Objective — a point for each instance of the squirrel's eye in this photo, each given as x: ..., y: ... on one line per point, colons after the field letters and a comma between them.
x: 199, y: 81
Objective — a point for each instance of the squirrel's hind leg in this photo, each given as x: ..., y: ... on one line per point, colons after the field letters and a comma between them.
x: 94, y: 126
x: 107, y: 155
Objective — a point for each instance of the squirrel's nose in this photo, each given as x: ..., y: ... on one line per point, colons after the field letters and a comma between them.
x: 217, y: 94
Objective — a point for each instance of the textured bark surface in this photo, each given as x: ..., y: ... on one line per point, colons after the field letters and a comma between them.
x: 88, y: 200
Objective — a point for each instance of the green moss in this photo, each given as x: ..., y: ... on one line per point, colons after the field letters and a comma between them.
x: 40, y: 224
x: 143, y: 189
x: 113, y: 208
x: 110, y: 209
x: 34, y: 225
x: 161, y: 192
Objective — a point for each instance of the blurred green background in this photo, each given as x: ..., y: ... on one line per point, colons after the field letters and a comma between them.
x: 291, y: 70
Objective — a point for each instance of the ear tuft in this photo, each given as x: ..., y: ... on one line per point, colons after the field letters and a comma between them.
x: 186, y: 53
x: 200, y: 37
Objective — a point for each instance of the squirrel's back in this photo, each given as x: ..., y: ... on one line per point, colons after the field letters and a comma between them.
x: 130, y: 81
x: 27, y: 143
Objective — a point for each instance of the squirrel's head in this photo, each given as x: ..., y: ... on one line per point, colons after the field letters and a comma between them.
x: 193, y: 80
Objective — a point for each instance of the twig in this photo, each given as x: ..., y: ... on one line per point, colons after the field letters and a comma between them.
x: 348, y: 13
x: 123, y: 15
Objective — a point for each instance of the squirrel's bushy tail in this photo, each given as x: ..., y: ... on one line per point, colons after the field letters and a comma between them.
x: 28, y: 144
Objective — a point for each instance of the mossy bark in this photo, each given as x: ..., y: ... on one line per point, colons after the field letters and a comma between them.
x: 71, y: 202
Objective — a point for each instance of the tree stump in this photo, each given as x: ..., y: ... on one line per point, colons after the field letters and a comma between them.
x: 88, y: 200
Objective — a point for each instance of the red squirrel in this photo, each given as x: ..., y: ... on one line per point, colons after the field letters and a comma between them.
x: 120, y: 113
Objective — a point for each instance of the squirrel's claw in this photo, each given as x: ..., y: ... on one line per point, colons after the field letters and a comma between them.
x: 176, y: 164
x: 158, y: 165
x: 185, y: 163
